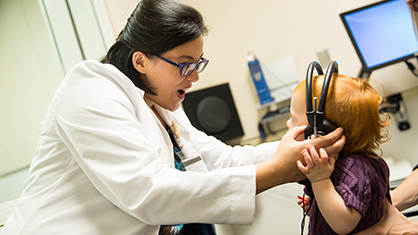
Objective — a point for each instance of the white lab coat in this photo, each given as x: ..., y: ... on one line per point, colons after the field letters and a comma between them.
x: 104, y: 165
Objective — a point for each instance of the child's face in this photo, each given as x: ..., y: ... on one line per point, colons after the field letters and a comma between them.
x: 297, y: 114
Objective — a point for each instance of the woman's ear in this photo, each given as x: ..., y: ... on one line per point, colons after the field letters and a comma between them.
x: 139, y: 61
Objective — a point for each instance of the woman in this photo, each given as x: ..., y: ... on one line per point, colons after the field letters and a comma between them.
x: 114, y: 134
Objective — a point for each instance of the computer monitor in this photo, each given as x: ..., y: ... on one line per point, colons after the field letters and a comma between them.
x: 382, y: 33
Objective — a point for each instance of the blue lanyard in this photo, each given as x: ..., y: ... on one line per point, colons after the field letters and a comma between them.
x: 177, y: 152
x: 195, y: 228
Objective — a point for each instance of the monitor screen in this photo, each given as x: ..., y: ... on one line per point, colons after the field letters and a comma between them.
x: 382, y: 33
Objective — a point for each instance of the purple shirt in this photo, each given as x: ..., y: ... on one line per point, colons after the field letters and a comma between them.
x: 363, y: 183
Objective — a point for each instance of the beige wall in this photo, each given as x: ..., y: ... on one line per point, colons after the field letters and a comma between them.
x: 273, y: 30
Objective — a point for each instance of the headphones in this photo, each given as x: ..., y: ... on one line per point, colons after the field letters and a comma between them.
x: 317, y: 123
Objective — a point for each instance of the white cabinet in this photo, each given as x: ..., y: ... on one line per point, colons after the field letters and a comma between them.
x: 276, y: 213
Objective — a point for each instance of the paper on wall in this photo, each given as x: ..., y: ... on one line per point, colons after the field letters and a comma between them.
x: 281, y: 77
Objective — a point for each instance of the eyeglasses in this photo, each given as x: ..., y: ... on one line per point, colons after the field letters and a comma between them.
x: 187, y: 68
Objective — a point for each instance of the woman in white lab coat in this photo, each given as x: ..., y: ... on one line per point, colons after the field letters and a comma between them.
x: 118, y: 156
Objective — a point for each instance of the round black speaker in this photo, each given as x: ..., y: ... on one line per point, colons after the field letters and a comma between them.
x: 212, y: 110
x: 213, y: 114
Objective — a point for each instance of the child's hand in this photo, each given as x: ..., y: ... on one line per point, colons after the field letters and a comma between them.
x: 301, y: 204
x: 318, y: 167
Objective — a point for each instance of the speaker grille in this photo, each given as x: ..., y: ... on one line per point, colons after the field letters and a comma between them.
x: 213, y: 114
x: 213, y: 111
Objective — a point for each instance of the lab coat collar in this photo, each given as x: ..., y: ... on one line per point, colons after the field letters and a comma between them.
x: 165, y: 114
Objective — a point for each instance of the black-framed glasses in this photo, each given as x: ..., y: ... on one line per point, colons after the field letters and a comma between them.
x: 187, y: 68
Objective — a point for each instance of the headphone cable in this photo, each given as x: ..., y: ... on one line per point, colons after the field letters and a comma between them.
x: 304, y: 213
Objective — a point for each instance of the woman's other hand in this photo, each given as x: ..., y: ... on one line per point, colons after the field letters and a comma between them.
x: 393, y: 222
x: 304, y: 203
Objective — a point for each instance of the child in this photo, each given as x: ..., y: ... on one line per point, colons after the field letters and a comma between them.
x: 347, y: 195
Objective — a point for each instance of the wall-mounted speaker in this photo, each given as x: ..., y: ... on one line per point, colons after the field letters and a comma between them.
x: 212, y: 110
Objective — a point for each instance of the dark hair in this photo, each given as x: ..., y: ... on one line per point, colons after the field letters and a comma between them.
x: 154, y: 27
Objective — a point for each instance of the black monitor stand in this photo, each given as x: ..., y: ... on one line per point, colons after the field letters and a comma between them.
x: 364, y: 74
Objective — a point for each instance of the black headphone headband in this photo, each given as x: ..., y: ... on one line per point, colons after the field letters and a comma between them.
x: 313, y: 65
x: 332, y: 68
x: 318, y: 115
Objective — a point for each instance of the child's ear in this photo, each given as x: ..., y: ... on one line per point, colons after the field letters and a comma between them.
x: 139, y: 61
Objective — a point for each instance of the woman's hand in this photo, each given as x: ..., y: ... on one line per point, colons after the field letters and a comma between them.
x: 332, y: 143
x: 282, y: 168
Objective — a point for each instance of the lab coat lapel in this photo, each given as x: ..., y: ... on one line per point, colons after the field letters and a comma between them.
x: 153, y: 130
x: 192, y: 157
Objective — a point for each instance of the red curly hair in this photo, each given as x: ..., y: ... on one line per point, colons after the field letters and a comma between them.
x: 352, y: 104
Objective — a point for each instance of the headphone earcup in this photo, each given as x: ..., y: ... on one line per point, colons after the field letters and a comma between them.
x: 324, y: 129
x: 309, y: 131
x: 327, y: 127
